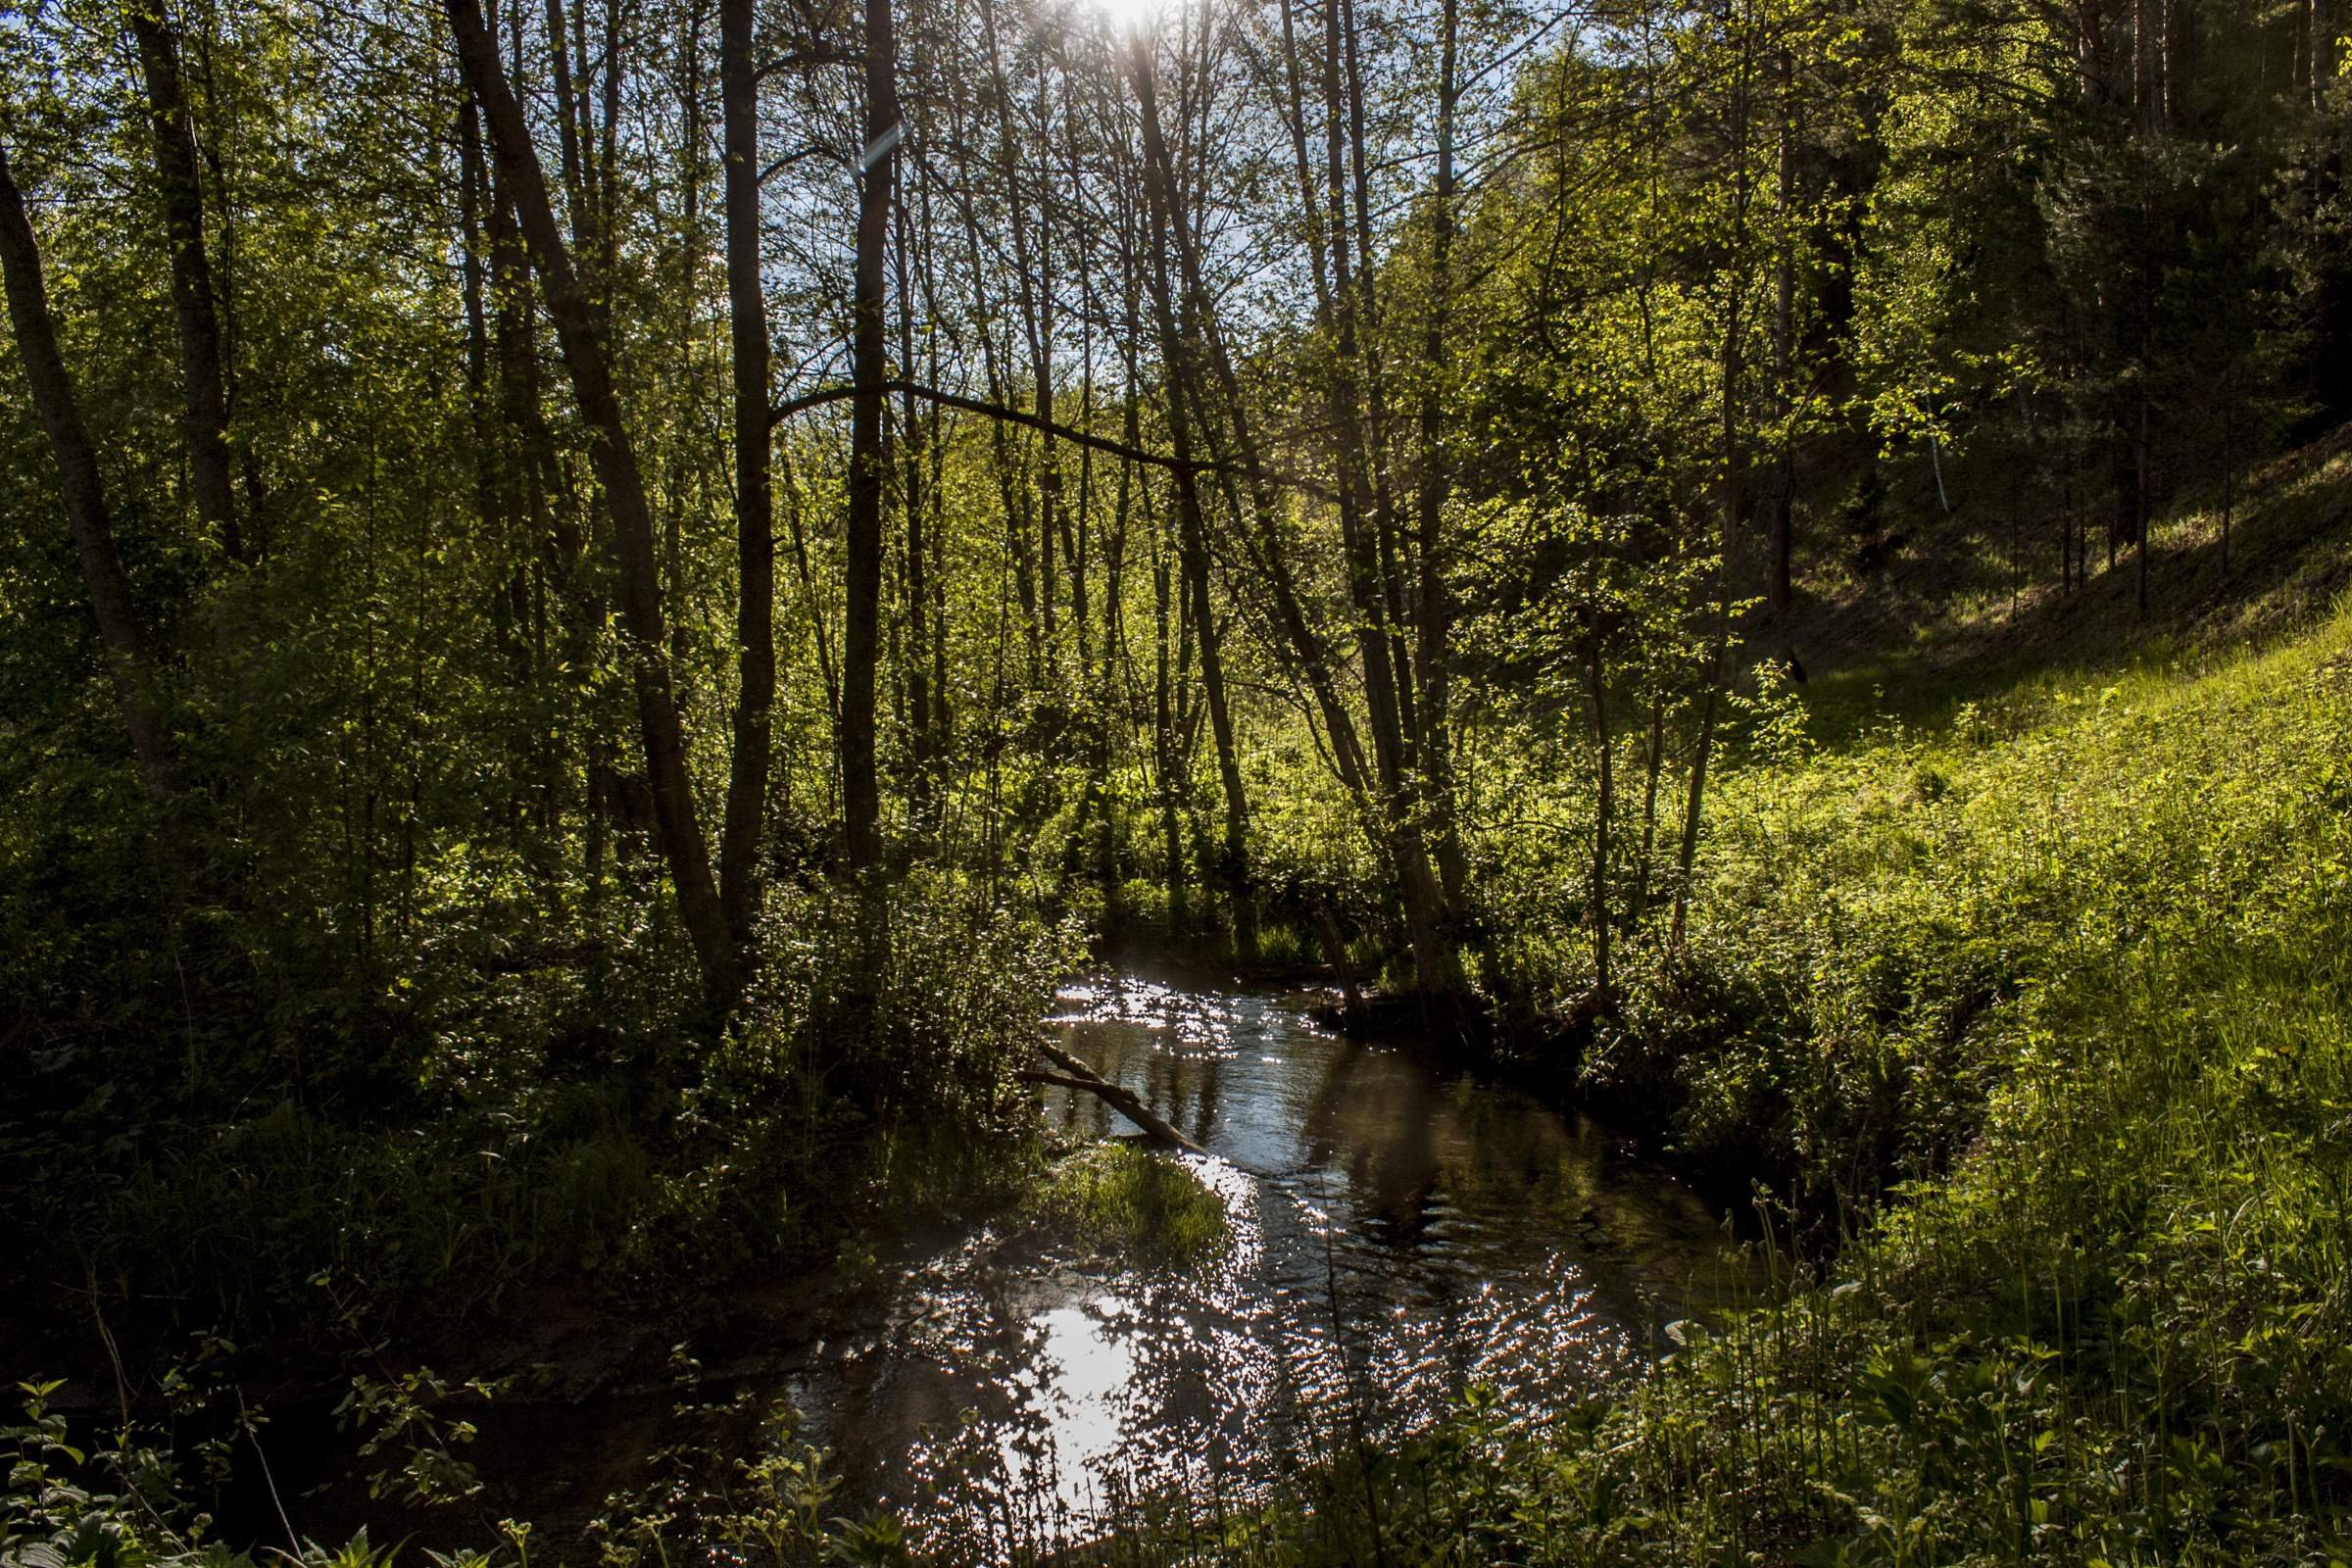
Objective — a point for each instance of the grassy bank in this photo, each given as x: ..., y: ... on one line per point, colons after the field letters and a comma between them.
x: 2044, y: 1015
x: 2093, y: 957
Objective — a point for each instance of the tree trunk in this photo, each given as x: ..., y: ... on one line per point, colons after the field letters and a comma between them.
x: 1167, y: 586
x: 1652, y: 765
x: 660, y: 730
x: 1781, y: 593
x: 1192, y: 532
x: 915, y: 576
x: 205, y: 411
x: 119, y: 631
x: 1687, y: 862
x: 1604, y: 807
x: 2139, y: 512
x: 755, y: 499
x: 1389, y: 809
x: 860, y: 795
x: 2229, y: 464
x: 1033, y: 295
x: 1435, y: 654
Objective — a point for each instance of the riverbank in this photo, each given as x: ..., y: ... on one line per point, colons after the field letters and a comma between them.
x: 2067, y: 976
x: 1386, y: 1233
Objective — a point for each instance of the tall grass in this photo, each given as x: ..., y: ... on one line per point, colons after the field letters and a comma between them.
x: 2080, y: 988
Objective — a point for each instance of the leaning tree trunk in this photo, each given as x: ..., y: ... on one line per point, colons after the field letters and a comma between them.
x: 662, y: 732
x: 119, y: 629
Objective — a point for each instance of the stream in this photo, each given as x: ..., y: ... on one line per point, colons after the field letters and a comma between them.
x: 1400, y: 1233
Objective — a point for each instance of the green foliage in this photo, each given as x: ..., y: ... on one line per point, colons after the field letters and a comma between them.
x: 868, y: 1082
x: 2087, y: 999
x: 1121, y: 1199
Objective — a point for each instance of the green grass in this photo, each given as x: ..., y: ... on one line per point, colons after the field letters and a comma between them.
x: 2079, y: 986
x: 1127, y: 1200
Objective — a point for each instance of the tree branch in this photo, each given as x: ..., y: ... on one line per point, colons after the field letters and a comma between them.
x: 815, y: 54
x: 1076, y: 1074
x: 949, y: 400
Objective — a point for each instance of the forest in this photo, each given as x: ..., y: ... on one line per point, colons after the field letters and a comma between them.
x: 1270, y: 782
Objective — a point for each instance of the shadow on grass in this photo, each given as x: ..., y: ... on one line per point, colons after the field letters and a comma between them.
x: 1939, y: 629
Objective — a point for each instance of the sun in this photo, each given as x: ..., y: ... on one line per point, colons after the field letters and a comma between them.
x: 1131, y: 17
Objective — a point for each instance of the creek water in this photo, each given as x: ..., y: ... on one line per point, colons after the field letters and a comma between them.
x: 1399, y: 1232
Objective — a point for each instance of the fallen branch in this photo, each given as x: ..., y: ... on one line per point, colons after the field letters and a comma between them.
x: 1076, y: 1074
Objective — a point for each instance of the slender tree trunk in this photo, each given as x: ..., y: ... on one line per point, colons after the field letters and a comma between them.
x: 1731, y: 502
x: 473, y: 198
x: 1652, y: 766
x: 2139, y: 512
x: 1687, y: 862
x: 509, y: 604
x: 1372, y: 379
x: 922, y: 789
x: 123, y: 636
x: 1434, y: 653
x: 205, y: 411
x: 931, y: 748
x: 1434, y: 963
x: 660, y: 730
x: 2229, y: 463
x: 861, y: 794
x: 1782, y: 592
x: 1114, y: 562
x: 1603, y: 810
x: 569, y: 138
x: 754, y: 498
x: 1167, y: 587
x: 548, y: 568
x: 1033, y: 295
x: 1192, y: 531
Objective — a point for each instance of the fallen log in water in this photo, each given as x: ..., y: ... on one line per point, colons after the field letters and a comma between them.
x: 1076, y: 1074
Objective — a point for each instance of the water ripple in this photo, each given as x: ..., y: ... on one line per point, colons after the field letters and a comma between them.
x: 1400, y: 1233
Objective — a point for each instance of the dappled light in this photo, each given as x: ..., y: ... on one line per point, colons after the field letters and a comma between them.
x: 1269, y: 783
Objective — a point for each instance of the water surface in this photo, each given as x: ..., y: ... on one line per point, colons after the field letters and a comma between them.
x: 1399, y: 1232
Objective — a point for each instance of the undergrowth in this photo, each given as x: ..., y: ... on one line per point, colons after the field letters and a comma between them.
x: 551, y: 1137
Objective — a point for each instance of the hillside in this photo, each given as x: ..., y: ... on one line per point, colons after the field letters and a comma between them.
x: 2071, y: 964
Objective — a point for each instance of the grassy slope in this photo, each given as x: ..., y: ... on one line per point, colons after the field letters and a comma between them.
x: 2070, y: 942
x: 1939, y: 626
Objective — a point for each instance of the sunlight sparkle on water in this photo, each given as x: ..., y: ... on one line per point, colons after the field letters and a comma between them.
x: 1395, y: 1234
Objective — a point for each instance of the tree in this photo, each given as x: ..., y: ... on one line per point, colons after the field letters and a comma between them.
x: 661, y: 734
x: 122, y: 631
